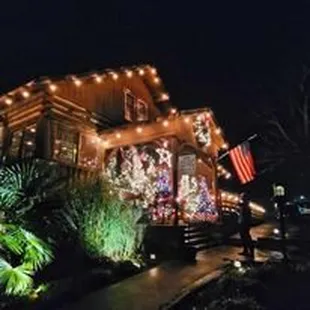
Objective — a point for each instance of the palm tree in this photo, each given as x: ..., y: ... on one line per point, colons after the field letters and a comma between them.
x: 26, y: 186
x: 22, y: 254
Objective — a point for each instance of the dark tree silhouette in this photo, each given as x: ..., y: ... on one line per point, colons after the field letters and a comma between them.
x: 285, y: 132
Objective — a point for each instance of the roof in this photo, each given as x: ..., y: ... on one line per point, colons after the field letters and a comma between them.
x: 147, y: 73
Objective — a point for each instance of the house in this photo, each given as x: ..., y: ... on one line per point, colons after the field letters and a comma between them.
x: 121, y: 123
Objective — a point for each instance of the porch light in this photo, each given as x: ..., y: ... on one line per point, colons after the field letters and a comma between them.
x: 8, y: 101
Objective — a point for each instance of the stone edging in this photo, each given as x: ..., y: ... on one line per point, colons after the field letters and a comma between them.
x: 192, y: 287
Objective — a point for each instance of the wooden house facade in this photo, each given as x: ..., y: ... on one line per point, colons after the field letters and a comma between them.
x: 120, y: 123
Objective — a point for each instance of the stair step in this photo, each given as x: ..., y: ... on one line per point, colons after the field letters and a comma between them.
x: 203, y: 246
x: 196, y: 233
x: 196, y: 240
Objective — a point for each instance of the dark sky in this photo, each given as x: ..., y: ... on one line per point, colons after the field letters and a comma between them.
x: 224, y: 54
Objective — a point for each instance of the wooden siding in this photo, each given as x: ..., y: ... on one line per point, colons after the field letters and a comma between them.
x: 107, y: 98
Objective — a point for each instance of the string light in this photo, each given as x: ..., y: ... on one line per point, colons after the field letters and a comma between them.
x: 153, y: 71
x: 98, y: 78
x: 225, y: 146
x: 129, y: 74
x: 164, y: 97
x: 156, y: 80
x: 77, y: 82
x: 139, y: 129
x: 173, y: 111
x: 8, y: 101
x: 141, y: 72
x: 114, y: 76
x: 52, y: 87
x: 187, y: 120
x: 166, y: 144
x: 165, y: 123
x: 25, y: 94
x: 118, y: 135
x: 32, y: 130
x: 218, y: 131
x: 199, y: 161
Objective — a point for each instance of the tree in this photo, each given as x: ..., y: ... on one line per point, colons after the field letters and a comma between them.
x: 285, y: 130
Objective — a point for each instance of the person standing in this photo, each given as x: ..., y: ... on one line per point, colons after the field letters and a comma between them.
x: 245, y: 222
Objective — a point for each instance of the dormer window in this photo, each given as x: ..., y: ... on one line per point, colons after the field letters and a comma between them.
x: 135, y: 109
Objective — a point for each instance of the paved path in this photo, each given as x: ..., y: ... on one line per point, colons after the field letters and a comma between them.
x: 161, y: 284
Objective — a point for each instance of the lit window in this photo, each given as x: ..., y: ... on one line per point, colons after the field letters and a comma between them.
x: 129, y: 106
x: 65, y: 145
x: 89, y: 152
x: 15, y: 143
x: 28, y: 142
x: 142, y: 112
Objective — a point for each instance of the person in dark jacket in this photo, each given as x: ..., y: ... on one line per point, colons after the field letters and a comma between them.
x: 245, y: 222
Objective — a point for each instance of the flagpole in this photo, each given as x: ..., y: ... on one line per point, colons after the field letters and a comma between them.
x: 227, y: 152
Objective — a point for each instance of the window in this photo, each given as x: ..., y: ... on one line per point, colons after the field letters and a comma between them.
x: 15, y: 143
x: 129, y: 106
x: 89, y: 152
x: 65, y: 145
x: 141, y: 112
x: 28, y: 141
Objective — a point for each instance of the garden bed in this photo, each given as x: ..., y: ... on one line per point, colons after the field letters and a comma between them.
x: 260, y: 286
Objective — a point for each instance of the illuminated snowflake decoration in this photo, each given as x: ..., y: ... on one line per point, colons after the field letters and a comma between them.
x: 202, y: 129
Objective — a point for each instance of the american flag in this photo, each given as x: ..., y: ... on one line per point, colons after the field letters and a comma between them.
x: 243, y: 162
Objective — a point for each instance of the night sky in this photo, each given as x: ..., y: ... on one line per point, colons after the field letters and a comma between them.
x: 222, y: 54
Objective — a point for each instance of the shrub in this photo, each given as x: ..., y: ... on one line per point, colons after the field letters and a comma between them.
x: 105, y: 225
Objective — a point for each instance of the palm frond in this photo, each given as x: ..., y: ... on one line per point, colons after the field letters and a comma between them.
x: 16, y: 281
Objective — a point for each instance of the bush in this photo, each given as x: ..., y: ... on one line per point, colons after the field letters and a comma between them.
x: 106, y: 227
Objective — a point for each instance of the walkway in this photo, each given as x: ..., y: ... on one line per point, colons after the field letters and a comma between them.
x: 159, y: 285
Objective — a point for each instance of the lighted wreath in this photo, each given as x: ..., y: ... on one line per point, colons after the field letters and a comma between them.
x: 201, y: 128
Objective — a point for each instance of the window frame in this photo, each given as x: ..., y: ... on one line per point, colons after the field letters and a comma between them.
x: 129, y: 112
x: 145, y: 115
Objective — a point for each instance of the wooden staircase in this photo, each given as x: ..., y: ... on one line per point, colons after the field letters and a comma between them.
x: 200, y: 237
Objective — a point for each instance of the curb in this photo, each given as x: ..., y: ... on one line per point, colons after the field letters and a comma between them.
x: 190, y: 288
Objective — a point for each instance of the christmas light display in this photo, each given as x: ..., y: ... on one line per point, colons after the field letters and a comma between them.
x: 143, y: 175
x: 195, y: 199
x: 201, y: 126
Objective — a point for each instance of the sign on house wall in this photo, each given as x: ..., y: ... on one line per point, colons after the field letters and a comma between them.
x: 187, y: 165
